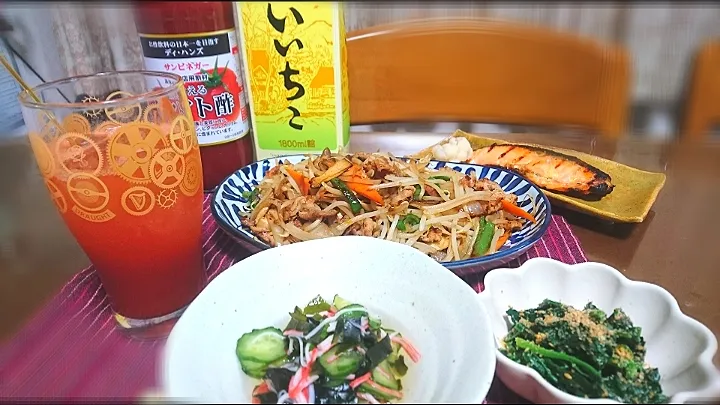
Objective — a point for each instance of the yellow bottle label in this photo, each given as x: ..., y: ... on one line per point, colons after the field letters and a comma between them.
x: 294, y: 59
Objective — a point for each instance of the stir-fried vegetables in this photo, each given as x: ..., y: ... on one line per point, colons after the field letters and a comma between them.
x: 584, y: 353
x: 446, y: 214
x: 326, y: 354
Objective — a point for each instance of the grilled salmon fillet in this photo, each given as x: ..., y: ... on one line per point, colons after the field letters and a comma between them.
x: 546, y: 168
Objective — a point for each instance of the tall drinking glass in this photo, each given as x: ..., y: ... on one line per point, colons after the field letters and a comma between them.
x: 120, y: 158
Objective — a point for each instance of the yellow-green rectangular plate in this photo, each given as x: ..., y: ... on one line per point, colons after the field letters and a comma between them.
x: 635, y: 190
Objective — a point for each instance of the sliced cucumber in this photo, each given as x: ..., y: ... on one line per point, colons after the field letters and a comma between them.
x: 262, y: 345
x: 258, y: 373
x: 252, y: 365
x: 341, y: 361
x: 256, y: 369
x: 253, y: 369
x: 339, y: 303
x: 383, y: 375
x: 354, y: 311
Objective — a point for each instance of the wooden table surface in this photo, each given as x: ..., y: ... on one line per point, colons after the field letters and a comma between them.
x: 675, y: 247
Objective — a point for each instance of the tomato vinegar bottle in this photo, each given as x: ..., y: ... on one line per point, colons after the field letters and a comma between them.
x: 197, y: 40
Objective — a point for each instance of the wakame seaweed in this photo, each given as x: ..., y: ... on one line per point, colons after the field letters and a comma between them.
x: 584, y: 352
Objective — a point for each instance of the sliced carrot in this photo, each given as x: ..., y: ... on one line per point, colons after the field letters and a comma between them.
x: 365, y: 191
x: 301, y: 180
x: 501, y: 241
x: 517, y: 211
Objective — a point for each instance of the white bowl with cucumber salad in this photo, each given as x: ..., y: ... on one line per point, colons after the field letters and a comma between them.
x: 394, y: 326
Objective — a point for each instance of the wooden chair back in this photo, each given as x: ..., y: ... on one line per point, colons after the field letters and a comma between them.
x: 702, y: 107
x: 485, y: 71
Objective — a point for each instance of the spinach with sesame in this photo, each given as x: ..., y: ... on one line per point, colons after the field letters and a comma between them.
x: 584, y: 352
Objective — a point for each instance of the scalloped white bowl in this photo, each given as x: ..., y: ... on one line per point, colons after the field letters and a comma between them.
x: 411, y: 292
x: 679, y: 346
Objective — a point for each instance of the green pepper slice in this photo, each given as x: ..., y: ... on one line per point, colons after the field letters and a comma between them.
x: 349, y: 195
x: 445, y: 178
x: 409, y: 219
x: 482, y: 243
x: 416, y: 194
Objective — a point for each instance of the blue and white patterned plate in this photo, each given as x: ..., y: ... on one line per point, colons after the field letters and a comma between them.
x: 228, y: 206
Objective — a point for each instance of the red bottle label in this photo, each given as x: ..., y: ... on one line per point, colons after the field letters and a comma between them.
x: 209, y: 65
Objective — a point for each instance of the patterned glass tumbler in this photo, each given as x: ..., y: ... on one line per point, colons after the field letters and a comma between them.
x: 119, y: 155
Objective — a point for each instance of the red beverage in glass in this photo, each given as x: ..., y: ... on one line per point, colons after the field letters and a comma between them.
x: 123, y: 168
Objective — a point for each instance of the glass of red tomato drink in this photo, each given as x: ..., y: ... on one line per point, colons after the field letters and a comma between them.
x: 119, y: 155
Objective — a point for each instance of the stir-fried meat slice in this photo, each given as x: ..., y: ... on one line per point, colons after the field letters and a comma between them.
x: 279, y: 190
x: 487, y: 185
x: 511, y: 225
x: 272, y: 215
x: 378, y: 167
x: 304, y: 207
x: 262, y: 233
x: 403, y: 194
x: 363, y: 228
x: 479, y: 184
x: 275, y: 170
x: 325, y: 160
x: 482, y: 208
x: 362, y: 156
x: 368, y: 227
x: 432, y: 236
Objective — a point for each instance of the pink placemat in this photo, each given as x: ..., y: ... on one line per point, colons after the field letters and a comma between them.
x: 72, y: 350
